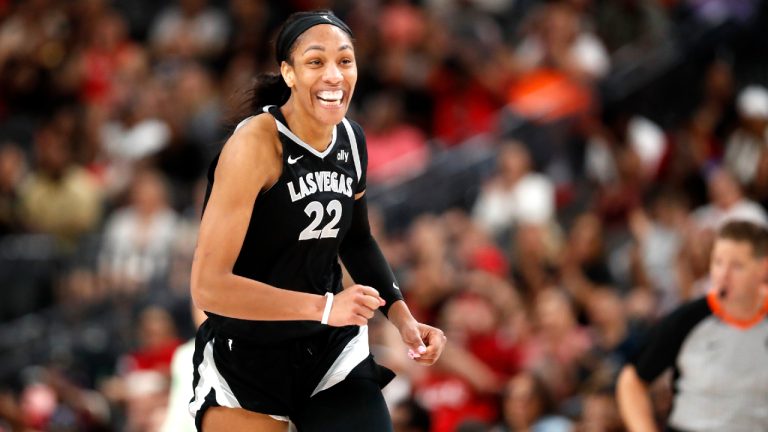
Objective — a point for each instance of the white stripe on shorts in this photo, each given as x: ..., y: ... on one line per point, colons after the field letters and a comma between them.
x: 210, y: 378
x: 355, y: 352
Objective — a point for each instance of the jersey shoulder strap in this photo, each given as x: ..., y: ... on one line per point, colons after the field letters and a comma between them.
x: 353, y: 143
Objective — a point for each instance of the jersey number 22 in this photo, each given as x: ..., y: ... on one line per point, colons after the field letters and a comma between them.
x: 315, y: 210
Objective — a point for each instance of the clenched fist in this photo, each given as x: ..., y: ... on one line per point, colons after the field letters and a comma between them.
x: 354, y: 306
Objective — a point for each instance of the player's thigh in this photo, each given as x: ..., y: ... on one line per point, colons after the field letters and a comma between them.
x: 350, y: 406
x: 222, y: 419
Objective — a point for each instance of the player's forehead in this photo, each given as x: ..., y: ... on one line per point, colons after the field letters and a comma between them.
x: 323, y: 38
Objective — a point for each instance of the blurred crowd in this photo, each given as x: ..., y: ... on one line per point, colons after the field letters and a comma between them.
x: 623, y: 133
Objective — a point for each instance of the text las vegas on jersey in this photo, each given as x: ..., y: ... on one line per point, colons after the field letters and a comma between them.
x: 320, y: 181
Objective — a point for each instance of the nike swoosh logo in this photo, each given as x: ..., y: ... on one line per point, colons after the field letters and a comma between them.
x: 395, y: 285
x: 292, y: 161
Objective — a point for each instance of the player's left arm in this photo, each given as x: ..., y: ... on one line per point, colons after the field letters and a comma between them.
x: 366, y: 264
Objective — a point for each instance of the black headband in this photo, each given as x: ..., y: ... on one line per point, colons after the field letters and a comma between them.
x: 294, y: 28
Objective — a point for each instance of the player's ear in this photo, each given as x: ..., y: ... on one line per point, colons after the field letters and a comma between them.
x: 288, y: 74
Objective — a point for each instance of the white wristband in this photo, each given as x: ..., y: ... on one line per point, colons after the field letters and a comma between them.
x: 328, y: 305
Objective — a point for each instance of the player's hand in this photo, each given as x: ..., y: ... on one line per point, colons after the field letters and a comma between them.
x: 425, y: 343
x: 354, y: 306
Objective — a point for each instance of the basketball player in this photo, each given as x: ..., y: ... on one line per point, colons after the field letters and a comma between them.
x: 286, y: 199
x: 717, y: 345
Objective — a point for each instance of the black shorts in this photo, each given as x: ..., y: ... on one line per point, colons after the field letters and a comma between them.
x: 278, y: 379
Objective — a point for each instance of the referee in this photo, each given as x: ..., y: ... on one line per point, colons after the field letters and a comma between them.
x: 717, y: 346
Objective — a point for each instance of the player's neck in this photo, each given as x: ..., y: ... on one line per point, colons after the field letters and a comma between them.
x: 307, y: 129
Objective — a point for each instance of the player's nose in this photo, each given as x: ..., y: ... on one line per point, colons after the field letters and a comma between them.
x: 332, y: 74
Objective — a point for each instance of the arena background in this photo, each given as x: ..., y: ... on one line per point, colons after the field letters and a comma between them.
x: 545, y: 177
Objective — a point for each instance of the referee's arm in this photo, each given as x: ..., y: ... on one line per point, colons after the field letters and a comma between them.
x: 635, y: 401
x: 658, y: 354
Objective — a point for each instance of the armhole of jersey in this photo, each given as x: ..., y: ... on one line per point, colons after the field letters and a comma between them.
x: 663, y: 345
x: 277, y: 122
x: 247, y: 119
x: 243, y: 122
x: 353, y: 144
x: 280, y: 126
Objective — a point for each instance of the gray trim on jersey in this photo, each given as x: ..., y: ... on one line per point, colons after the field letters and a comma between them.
x: 210, y: 378
x: 242, y: 123
x: 355, y: 352
x: 353, y: 144
x: 723, y: 383
x: 287, y: 132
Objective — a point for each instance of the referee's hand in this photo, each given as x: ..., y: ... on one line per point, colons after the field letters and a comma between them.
x: 354, y: 306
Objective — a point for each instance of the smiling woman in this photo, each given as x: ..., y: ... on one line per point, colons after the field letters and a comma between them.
x: 321, y: 74
x: 283, y: 340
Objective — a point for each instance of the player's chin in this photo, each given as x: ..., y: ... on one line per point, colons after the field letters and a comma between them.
x: 331, y: 114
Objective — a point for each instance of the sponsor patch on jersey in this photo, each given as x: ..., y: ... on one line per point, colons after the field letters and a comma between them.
x: 342, y: 155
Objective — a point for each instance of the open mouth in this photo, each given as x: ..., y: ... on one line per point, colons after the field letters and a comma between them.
x: 330, y: 99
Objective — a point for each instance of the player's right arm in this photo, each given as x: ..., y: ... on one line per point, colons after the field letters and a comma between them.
x: 250, y: 162
x: 634, y: 401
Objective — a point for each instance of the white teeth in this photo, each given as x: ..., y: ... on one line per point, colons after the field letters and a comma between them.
x: 330, y: 95
x: 330, y: 98
x: 330, y: 104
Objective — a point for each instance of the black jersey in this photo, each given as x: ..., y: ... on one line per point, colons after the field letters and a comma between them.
x: 720, y: 367
x: 297, y: 225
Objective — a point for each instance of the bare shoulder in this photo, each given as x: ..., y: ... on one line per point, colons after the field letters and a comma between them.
x: 253, y: 152
x: 257, y: 136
